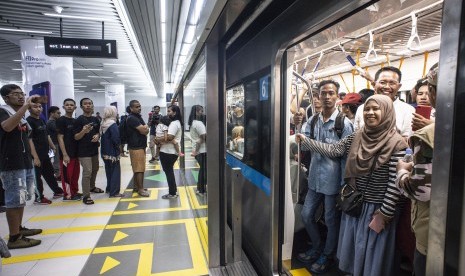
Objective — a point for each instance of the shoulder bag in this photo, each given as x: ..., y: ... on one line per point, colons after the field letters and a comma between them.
x: 350, y: 199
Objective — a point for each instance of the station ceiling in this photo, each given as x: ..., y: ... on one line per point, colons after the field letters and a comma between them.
x: 135, y: 25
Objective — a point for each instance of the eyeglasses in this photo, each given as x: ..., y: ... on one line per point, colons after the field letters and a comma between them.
x: 390, y: 83
x: 17, y: 94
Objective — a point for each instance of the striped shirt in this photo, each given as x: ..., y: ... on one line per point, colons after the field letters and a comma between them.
x: 381, y: 189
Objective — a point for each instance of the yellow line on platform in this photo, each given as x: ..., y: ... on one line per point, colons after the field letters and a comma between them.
x: 144, y: 224
x: 300, y: 272
x: 202, y: 229
x: 51, y: 231
x: 46, y: 255
x: 78, y: 202
x: 77, y: 215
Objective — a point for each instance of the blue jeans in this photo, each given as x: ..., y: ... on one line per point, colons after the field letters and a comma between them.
x: 113, y: 173
x: 332, y: 220
x: 18, y: 185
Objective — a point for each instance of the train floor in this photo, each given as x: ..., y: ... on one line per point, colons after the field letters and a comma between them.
x: 127, y: 236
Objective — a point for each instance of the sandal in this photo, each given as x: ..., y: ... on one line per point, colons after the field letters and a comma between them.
x: 87, y: 200
x: 96, y: 190
x: 143, y: 193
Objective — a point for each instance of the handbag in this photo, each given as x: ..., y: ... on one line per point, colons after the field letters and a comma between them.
x: 350, y: 199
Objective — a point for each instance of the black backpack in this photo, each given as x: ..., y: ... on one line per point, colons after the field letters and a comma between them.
x: 123, y: 133
x: 338, y: 124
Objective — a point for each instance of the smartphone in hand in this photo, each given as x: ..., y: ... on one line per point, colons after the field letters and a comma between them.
x: 377, y: 223
x: 423, y: 110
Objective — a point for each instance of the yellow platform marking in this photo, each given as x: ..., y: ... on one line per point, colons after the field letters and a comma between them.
x: 109, y: 264
x: 144, y: 266
x: 67, y: 216
x: 132, y: 205
x: 119, y: 236
x: 182, y: 198
x: 146, y: 254
x: 46, y: 255
x: 135, y: 196
x: 300, y: 272
x: 51, y: 231
x: 194, y: 200
x: 78, y: 202
x: 202, y: 227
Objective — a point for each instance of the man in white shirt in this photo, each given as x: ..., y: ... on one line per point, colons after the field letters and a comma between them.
x: 387, y: 82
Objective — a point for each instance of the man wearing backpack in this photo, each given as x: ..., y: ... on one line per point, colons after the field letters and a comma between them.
x: 325, y: 178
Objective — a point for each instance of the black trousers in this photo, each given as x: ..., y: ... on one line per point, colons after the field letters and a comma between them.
x: 46, y: 170
x: 2, y: 194
x: 167, y: 162
x: 202, y: 179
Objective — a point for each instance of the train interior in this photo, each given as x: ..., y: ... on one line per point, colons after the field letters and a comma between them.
x: 387, y: 33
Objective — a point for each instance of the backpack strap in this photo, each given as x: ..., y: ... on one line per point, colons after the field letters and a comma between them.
x: 339, y: 124
x: 313, y: 124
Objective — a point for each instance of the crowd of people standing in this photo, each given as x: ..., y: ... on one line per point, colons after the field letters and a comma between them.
x: 27, y: 146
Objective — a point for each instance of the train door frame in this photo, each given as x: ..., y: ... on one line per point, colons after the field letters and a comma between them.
x: 447, y: 209
x: 447, y: 104
x: 301, y: 30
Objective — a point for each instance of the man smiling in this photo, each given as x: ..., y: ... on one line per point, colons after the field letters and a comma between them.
x: 388, y: 82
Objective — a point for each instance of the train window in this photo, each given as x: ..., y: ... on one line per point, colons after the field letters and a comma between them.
x: 248, y: 122
x: 235, y: 121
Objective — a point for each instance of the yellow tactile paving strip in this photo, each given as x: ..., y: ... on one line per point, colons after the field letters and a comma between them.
x: 197, y: 241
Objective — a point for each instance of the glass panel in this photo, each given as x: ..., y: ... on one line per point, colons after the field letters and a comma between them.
x: 235, y: 119
x: 195, y: 112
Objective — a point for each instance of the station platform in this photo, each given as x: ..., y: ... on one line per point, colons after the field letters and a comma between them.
x: 127, y: 236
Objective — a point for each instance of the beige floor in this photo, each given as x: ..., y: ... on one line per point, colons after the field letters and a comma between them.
x: 70, y: 230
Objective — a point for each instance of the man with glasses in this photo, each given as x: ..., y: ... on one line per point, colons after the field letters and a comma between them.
x: 16, y: 170
x: 387, y: 82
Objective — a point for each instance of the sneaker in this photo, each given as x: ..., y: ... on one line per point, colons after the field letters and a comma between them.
x: 200, y: 193
x: 308, y: 256
x: 323, y: 264
x: 143, y: 193
x: 4, y: 253
x: 169, y: 196
x: 152, y: 160
x: 23, y: 242
x: 43, y: 201
x: 57, y: 195
x: 29, y: 232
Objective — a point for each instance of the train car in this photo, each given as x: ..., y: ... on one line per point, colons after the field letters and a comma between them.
x: 260, y: 56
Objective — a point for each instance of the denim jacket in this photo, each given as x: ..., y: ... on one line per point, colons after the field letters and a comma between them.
x: 326, y: 175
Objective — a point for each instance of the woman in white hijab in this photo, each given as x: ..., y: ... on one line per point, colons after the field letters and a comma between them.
x: 110, y: 151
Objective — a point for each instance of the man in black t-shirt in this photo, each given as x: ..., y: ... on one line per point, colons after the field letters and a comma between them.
x: 16, y: 164
x: 86, y: 131
x: 69, y: 163
x: 53, y: 114
x: 40, y: 144
x: 137, y: 132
